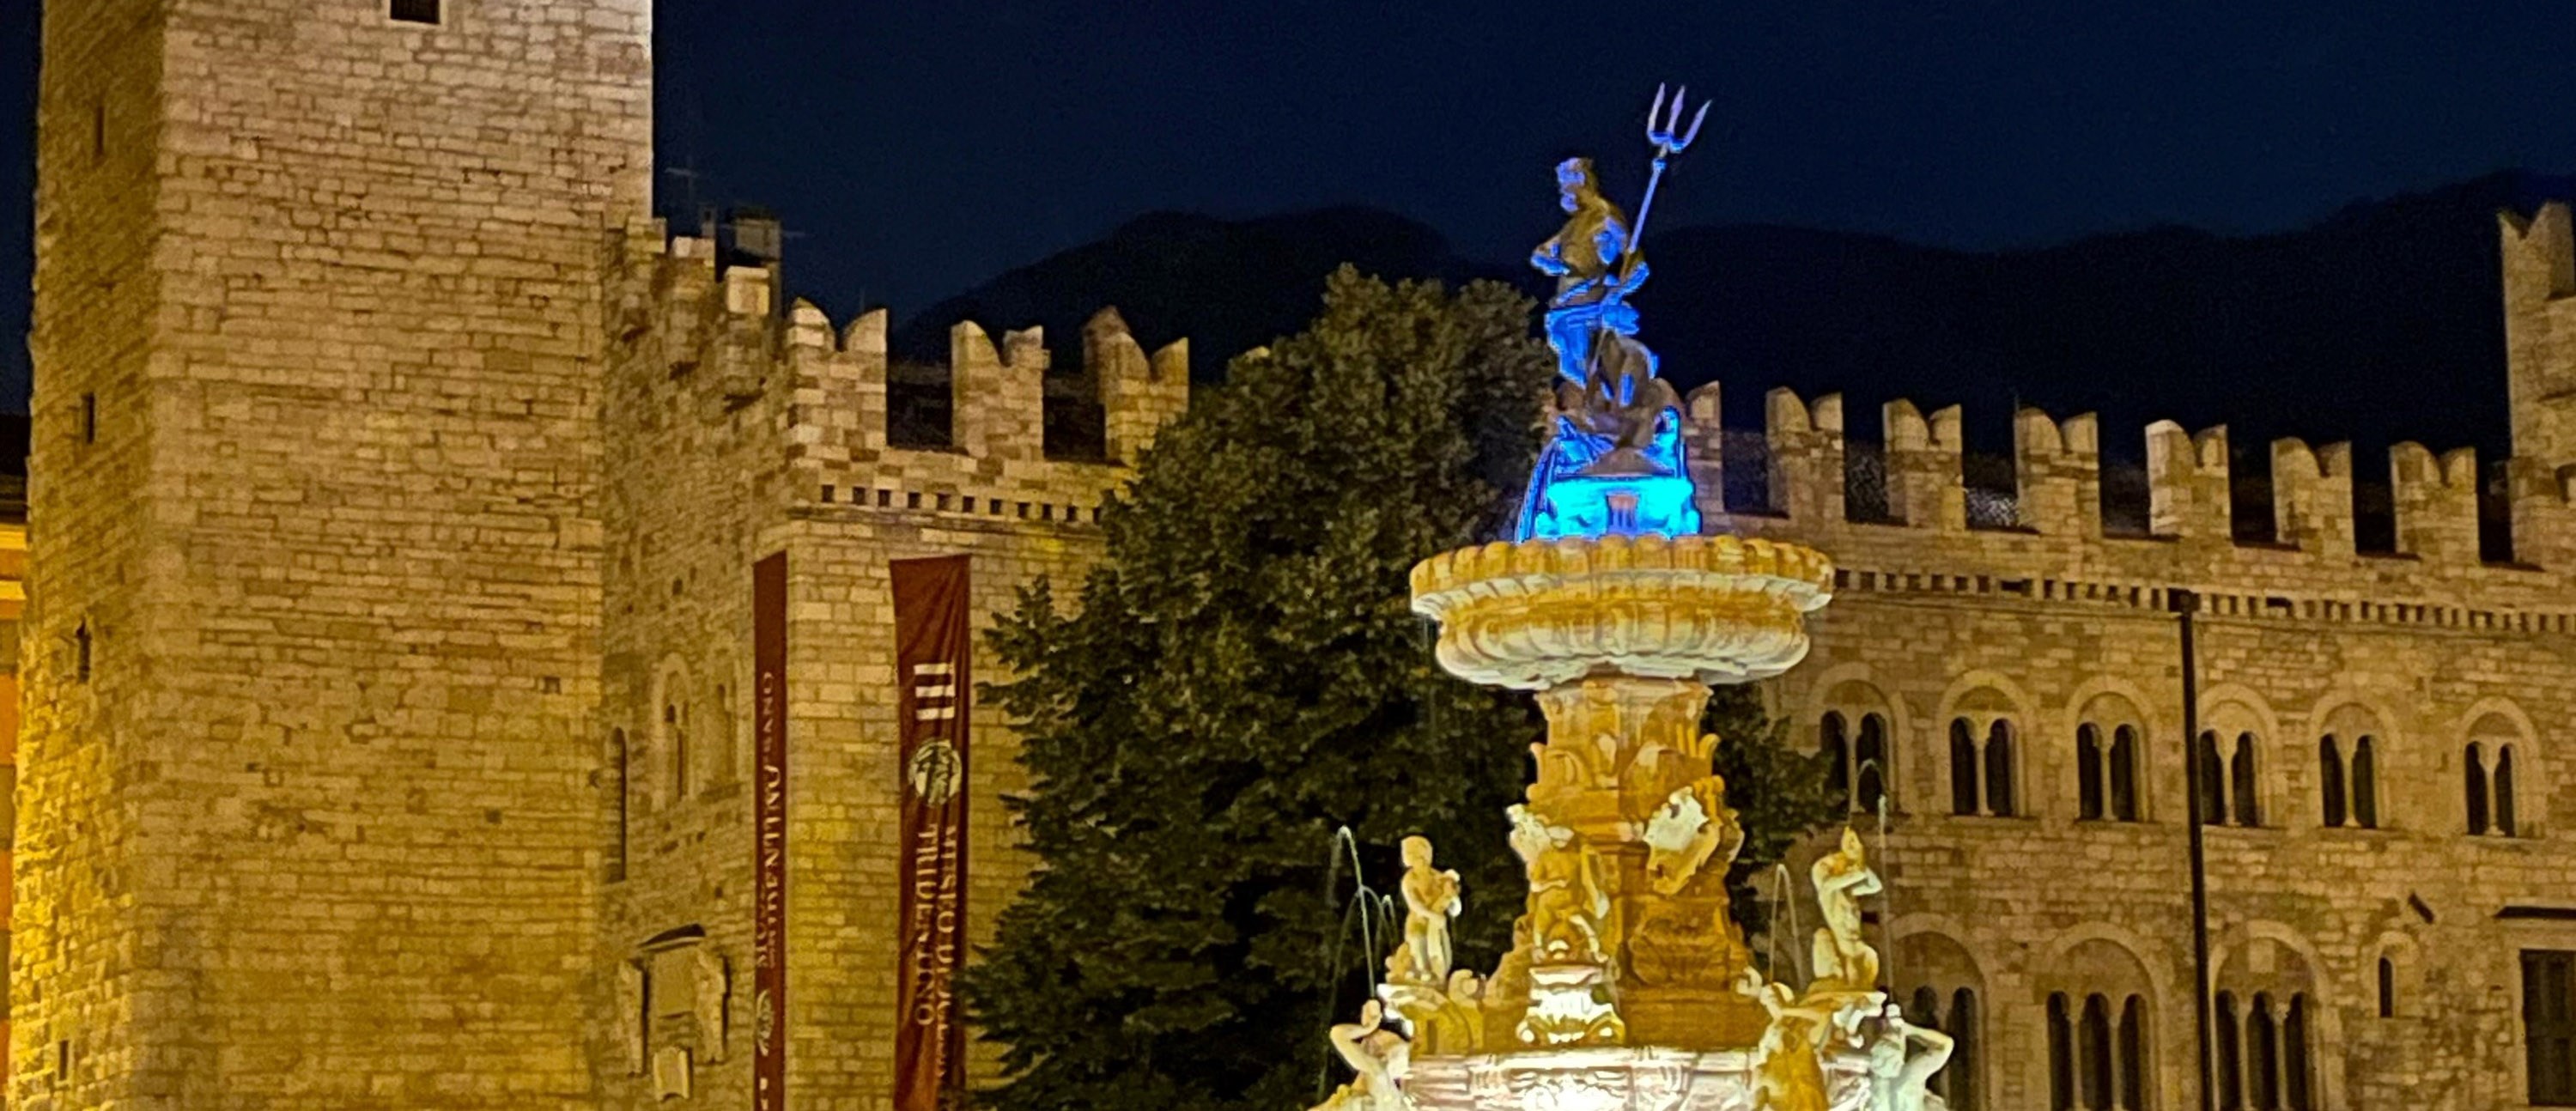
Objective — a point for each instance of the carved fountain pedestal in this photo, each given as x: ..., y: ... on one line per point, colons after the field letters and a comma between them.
x: 1629, y: 986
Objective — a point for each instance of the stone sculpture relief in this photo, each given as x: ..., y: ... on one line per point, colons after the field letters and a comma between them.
x: 714, y: 983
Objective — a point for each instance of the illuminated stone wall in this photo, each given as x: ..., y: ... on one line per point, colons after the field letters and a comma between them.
x: 739, y: 427
x: 2051, y: 625
x: 308, y: 819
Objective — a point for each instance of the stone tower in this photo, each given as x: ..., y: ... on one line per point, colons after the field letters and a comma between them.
x: 2540, y: 332
x: 310, y: 816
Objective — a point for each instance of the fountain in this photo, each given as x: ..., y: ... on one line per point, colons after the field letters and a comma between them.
x: 1628, y: 985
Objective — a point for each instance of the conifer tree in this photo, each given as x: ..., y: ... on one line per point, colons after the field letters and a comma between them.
x: 1242, y: 678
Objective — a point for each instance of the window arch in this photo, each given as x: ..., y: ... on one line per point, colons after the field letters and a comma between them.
x: 1984, y: 771
x: 2107, y: 752
x: 2097, y: 1052
x: 1964, y: 793
x: 2091, y: 784
x: 1856, y: 751
x: 1946, y: 998
x: 2330, y: 786
x: 2474, y: 766
x: 2265, y: 1057
x: 2231, y: 1055
x: 2244, y: 782
x: 2099, y: 1010
x: 2348, y: 768
x: 675, y: 745
x: 2503, y: 794
x: 1999, y: 769
x: 2493, y: 763
x: 673, y: 760
x: 2230, y: 780
x: 1870, y: 764
x: 2213, y: 780
x: 1833, y: 742
x: 2124, y: 774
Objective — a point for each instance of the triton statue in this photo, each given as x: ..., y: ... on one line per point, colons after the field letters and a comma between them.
x: 1613, y: 463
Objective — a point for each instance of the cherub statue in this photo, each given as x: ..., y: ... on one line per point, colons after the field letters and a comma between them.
x: 1787, y: 1074
x: 1378, y: 1055
x: 1899, y: 1079
x: 1567, y: 905
x: 1693, y: 828
x: 1431, y: 900
x: 1843, y: 961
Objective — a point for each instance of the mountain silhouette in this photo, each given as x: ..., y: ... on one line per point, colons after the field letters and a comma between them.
x: 2381, y: 322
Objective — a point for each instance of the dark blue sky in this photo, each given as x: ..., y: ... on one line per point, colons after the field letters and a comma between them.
x: 920, y: 148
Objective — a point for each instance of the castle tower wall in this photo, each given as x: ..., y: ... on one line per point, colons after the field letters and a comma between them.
x: 309, y: 815
x: 2539, y: 254
x: 709, y: 471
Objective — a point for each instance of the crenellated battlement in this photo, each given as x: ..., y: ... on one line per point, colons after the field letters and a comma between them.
x: 857, y: 428
x: 1906, y: 509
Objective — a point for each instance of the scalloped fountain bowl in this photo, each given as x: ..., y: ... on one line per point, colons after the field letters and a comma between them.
x: 1542, y: 613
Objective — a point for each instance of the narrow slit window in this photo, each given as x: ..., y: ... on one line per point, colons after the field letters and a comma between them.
x: 415, y: 11
x: 89, y: 418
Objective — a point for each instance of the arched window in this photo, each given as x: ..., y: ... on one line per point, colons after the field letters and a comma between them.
x: 2330, y: 779
x: 2475, y: 767
x: 2241, y: 782
x: 1960, y: 1075
x: 1869, y: 764
x: 2061, y: 1055
x: 81, y: 653
x: 2263, y: 1055
x: 1963, y: 768
x: 1999, y: 769
x: 2133, y: 1055
x: 2365, y: 783
x: 2504, y: 790
x: 2094, y: 1038
x: 2231, y: 1056
x: 2294, y: 1054
x: 2213, y: 781
x: 2124, y: 774
x: 675, y: 741
x: 2387, y: 988
x: 1834, y: 741
x: 2088, y: 772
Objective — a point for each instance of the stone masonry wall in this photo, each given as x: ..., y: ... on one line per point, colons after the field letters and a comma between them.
x: 737, y: 429
x: 73, y: 992
x: 2051, y: 625
x: 318, y: 831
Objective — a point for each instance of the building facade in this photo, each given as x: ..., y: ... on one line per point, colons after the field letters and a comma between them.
x: 2390, y: 892
x: 398, y: 486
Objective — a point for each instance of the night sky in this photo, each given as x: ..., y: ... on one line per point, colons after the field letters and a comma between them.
x: 917, y: 149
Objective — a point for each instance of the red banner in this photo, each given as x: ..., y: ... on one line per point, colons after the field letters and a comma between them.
x: 931, y: 650
x: 769, y: 840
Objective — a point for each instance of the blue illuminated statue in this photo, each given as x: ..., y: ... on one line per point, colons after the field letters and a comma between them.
x: 1613, y: 462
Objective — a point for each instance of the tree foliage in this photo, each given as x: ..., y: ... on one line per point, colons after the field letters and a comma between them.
x: 1243, y: 677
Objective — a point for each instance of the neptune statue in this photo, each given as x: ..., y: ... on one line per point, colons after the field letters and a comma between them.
x: 1613, y: 461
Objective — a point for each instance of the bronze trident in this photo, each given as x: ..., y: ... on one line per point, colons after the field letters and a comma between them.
x: 1664, y: 133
